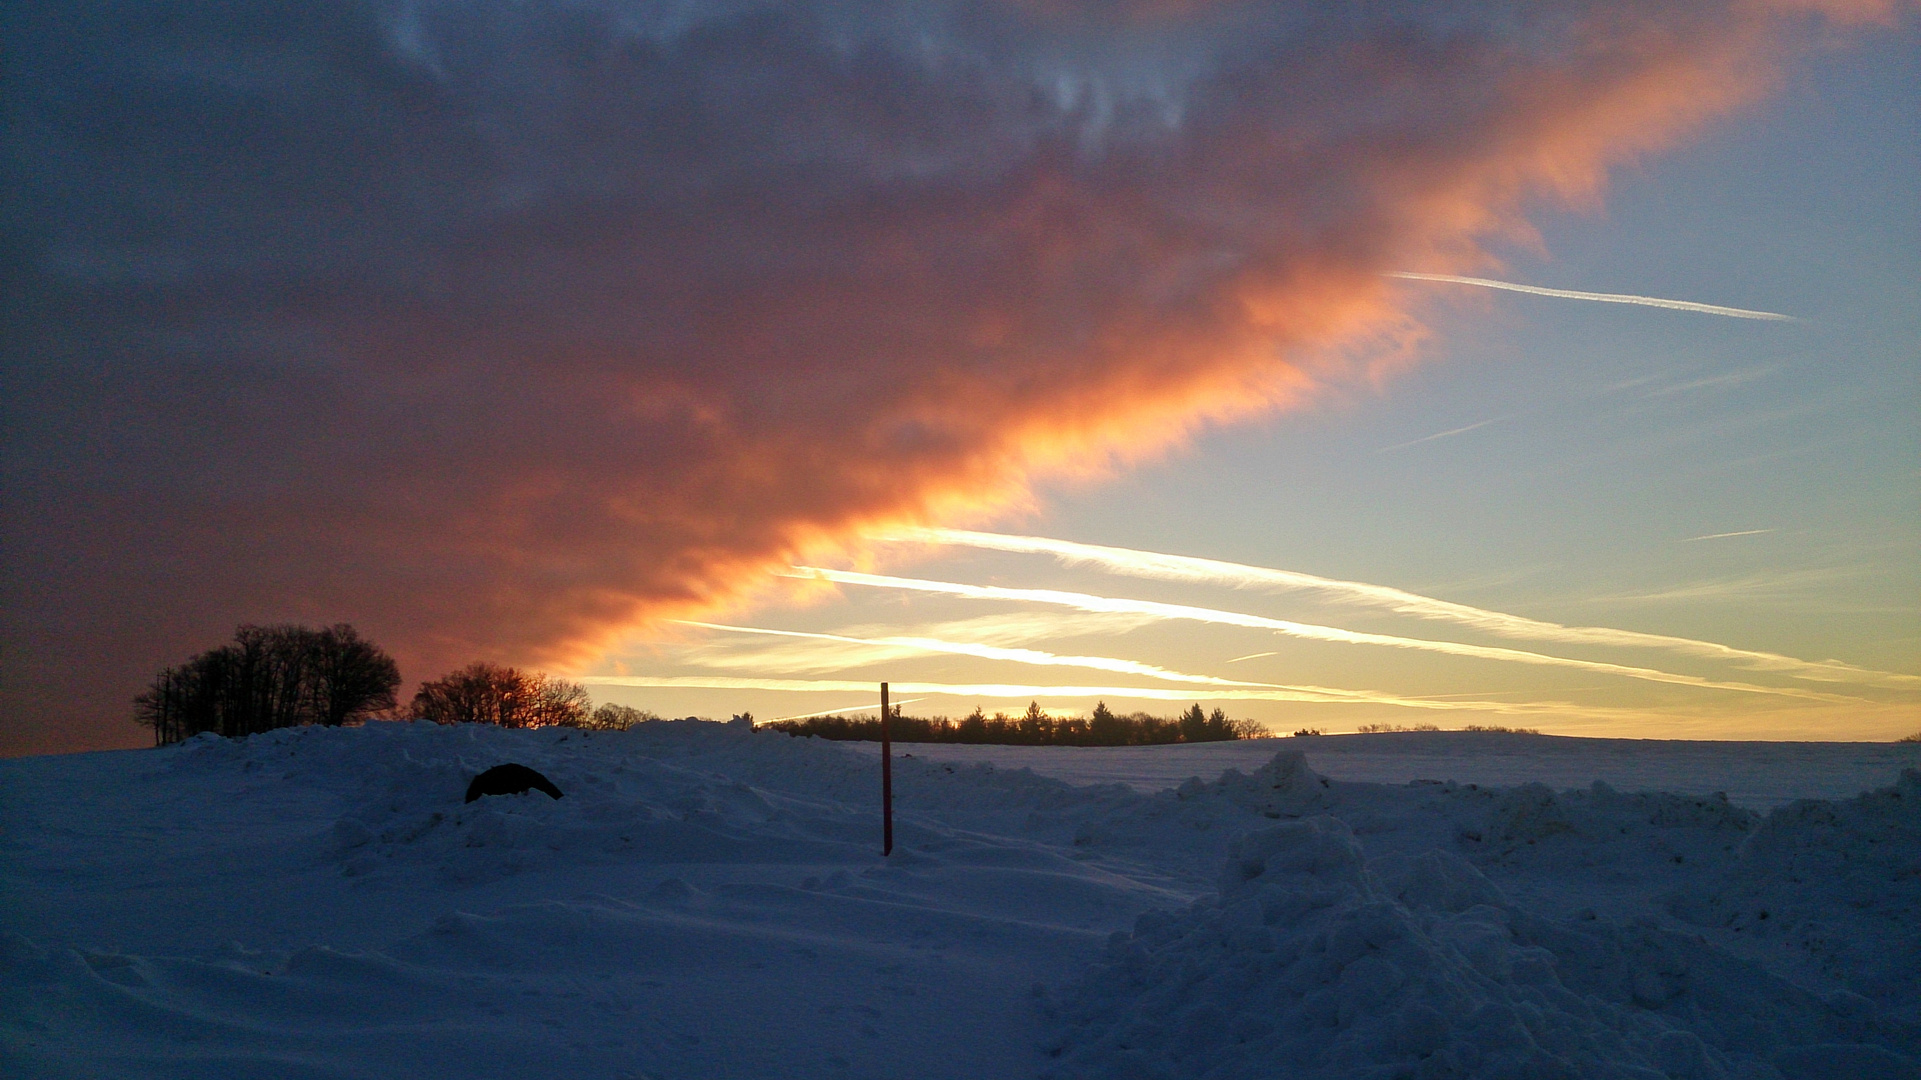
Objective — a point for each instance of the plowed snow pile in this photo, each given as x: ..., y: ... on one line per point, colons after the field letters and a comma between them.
x: 709, y: 901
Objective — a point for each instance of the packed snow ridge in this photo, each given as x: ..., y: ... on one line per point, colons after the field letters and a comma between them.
x: 706, y: 900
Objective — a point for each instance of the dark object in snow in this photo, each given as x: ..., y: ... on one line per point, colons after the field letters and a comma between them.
x: 509, y: 779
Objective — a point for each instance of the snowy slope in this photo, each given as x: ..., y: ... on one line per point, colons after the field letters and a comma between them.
x: 709, y: 901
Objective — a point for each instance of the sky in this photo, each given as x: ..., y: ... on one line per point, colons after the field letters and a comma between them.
x: 539, y: 333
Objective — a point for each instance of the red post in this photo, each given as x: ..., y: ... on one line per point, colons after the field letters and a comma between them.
x: 886, y: 779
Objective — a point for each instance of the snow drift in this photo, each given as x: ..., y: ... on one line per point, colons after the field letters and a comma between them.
x: 709, y: 901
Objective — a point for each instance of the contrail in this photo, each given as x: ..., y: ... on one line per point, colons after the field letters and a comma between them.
x: 1126, y: 667
x: 1017, y: 691
x: 1724, y: 536
x: 1163, y: 567
x: 1431, y: 438
x: 997, y: 652
x: 1605, y: 298
x: 1088, y: 602
x: 1123, y: 667
x: 837, y: 712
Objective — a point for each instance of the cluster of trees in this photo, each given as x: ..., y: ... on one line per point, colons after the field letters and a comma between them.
x: 483, y: 693
x: 271, y: 677
x: 1383, y: 729
x: 1034, y: 728
x: 286, y: 676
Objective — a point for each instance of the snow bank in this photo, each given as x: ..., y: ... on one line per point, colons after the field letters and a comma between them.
x: 1310, y: 960
x: 1838, y: 883
x: 1756, y: 775
x: 709, y: 901
x: 704, y: 901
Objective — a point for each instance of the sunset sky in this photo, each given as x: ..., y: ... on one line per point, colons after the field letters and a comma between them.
x: 613, y: 338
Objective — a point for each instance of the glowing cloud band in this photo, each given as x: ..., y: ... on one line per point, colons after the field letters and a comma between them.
x: 1117, y: 666
x: 995, y: 652
x: 1309, y: 631
x: 1016, y: 691
x: 1163, y: 567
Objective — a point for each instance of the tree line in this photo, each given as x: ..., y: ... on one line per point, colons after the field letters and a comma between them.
x: 286, y: 676
x: 1033, y: 728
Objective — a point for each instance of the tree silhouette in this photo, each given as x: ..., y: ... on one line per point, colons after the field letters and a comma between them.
x: 1033, y: 728
x: 1106, y: 729
x: 349, y: 676
x: 612, y: 717
x: 483, y: 693
x: 270, y: 677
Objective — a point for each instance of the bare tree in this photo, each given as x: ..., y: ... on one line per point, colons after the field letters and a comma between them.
x: 612, y: 717
x: 483, y: 693
x: 557, y: 701
x: 351, y: 677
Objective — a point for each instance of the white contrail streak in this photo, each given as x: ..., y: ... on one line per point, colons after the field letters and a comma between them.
x: 1431, y: 438
x: 1724, y: 536
x: 1104, y: 663
x: 1162, y: 567
x: 1088, y: 602
x: 1601, y: 297
x: 874, y: 706
x: 1020, y: 691
x: 996, y: 652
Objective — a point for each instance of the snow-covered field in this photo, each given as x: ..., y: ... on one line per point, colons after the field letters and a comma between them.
x: 1757, y: 775
x: 710, y: 901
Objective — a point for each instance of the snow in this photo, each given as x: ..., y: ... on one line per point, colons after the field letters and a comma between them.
x: 1759, y: 775
x: 710, y: 901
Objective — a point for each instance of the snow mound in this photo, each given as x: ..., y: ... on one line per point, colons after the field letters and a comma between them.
x: 1838, y: 882
x: 408, y: 812
x: 1600, y: 826
x: 1284, y: 787
x: 1311, y: 962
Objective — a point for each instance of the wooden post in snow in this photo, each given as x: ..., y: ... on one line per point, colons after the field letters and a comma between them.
x: 886, y: 779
